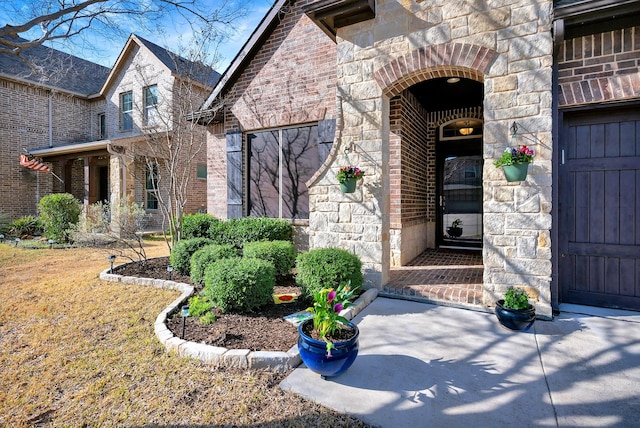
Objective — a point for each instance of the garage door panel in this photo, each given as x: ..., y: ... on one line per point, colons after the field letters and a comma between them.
x: 612, y: 203
x: 599, y: 219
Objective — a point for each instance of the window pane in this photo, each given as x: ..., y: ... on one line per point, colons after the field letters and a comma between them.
x: 150, y: 103
x: 300, y: 161
x: 263, y: 174
x: 126, y: 110
x: 202, y: 171
x: 151, y: 183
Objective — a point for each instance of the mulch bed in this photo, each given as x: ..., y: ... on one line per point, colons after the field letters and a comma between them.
x: 263, y: 330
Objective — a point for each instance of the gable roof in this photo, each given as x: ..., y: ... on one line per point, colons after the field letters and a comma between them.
x: 174, y: 63
x: 246, y: 53
x: 60, y: 70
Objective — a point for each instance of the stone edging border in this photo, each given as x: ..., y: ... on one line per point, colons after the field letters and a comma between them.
x: 215, y: 355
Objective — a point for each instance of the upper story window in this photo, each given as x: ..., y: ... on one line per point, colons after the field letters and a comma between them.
x: 102, y: 126
x: 150, y: 96
x: 126, y: 111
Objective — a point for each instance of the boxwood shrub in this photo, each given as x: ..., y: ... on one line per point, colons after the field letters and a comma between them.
x: 59, y: 212
x: 281, y: 253
x: 238, y: 231
x: 239, y: 284
x: 181, y: 253
x: 197, y: 225
x: 207, y: 255
x: 327, y: 267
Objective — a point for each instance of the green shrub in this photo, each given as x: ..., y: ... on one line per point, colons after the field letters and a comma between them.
x: 27, y: 225
x: 240, y: 284
x: 238, y: 231
x: 199, y: 305
x: 197, y: 225
x: 327, y: 267
x: 59, y: 213
x: 181, y: 253
x: 281, y: 253
x: 516, y: 298
x: 207, y: 255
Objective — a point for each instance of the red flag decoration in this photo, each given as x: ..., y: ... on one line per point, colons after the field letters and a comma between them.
x: 32, y: 163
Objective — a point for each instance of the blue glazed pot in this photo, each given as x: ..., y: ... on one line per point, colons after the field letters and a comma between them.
x: 515, y: 172
x: 314, y: 352
x: 515, y: 319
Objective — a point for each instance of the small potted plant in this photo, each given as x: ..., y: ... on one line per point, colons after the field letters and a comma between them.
x: 455, y: 231
x: 515, y: 163
x: 328, y: 342
x: 348, y: 176
x: 514, y: 311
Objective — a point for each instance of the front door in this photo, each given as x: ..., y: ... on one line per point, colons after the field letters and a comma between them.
x: 599, y: 213
x: 459, y: 173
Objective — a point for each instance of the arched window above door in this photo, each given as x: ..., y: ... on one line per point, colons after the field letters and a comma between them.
x: 462, y: 128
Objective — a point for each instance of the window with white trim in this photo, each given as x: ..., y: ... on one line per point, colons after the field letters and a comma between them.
x: 126, y: 111
x: 151, y: 186
x: 150, y: 97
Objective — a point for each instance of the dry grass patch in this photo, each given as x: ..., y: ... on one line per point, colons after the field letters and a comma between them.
x: 77, y: 351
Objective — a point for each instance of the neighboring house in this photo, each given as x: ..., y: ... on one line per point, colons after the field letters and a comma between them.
x: 99, y: 139
x: 423, y: 96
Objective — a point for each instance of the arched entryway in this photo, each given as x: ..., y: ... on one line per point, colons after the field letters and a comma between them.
x: 435, y: 170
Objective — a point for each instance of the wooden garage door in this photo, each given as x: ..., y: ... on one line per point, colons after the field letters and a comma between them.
x: 599, y: 217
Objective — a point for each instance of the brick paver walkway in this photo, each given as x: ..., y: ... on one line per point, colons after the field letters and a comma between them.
x: 441, y: 276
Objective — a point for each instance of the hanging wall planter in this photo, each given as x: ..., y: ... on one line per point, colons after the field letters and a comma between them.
x: 348, y: 176
x: 515, y: 163
x: 516, y: 172
x: 349, y: 185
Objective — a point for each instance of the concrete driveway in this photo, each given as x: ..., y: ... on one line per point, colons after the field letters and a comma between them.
x: 422, y: 365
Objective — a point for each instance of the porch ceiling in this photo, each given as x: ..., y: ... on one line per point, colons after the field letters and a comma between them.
x: 438, y: 94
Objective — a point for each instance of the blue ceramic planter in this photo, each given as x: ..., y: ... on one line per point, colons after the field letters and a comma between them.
x: 314, y: 353
x: 515, y: 319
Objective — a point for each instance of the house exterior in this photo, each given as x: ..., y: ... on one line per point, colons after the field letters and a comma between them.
x: 424, y: 96
x: 98, y: 138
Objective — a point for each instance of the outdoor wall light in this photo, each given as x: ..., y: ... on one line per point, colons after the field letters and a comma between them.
x: 111, y: 258
x: 51, y: 242
x: 169, y: 270
x: 184, y: 311
x: 16, y: 241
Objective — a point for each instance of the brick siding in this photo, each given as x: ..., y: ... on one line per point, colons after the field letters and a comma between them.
x: 600, y: 67
x: 290, y: 80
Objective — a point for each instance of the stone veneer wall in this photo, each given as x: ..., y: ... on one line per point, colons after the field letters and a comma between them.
x: 290, y: 80
x: 600, y: 67
x: 507, y: 45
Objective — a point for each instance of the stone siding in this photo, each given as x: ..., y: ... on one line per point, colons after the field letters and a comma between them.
x: 505, y: 45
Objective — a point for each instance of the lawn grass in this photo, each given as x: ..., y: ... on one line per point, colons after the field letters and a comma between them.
x: 77, y: 351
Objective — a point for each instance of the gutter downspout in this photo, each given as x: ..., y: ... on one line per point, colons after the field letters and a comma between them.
x: 50, y: 119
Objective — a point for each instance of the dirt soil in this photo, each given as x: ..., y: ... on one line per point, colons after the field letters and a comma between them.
x: 263, y: 330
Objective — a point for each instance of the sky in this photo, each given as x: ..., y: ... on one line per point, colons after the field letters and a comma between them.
x: 105, y: 48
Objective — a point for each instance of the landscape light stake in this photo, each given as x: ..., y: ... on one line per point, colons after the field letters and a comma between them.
x: 1, y: 237
x: 169, y: 271
x: 111, y: 258
x: 51, y: 242
x: 185, y: 313
x: 16, y: 241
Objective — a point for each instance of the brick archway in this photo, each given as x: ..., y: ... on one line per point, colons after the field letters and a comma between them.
x: 444, y: 60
